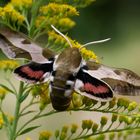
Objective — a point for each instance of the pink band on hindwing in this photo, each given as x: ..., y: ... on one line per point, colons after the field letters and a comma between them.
x: 95, y: 89
x: 33, y: 74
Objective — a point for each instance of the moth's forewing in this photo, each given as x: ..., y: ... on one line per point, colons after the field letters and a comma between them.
x: 23, y: 47
x: 11, y: 51
x: 122, y: 81
x: 92, y: 87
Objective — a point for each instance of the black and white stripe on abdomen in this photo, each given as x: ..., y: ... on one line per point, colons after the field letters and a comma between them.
x: 67, y: 88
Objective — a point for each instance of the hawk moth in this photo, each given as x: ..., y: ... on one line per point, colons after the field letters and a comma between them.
x: 67, y: 71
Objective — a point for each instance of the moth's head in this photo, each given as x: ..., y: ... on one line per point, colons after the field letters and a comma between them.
x: 68, y: 60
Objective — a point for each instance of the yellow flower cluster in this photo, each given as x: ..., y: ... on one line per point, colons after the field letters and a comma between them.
x: 45, y: 135
x: 39, y: 20
x: 8, y: 13
x: 21, y: 3
x: 62, y: 23
x: 43, y: 91
x: 87, y: 54
x: 57, y: 40
x: 61, y: 10
x: 8, y: 64
x: 3, y: 92
x: 65, y: 23
x: 57, y: 15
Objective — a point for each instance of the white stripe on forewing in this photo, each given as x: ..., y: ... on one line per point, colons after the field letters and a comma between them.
x: 106, y: 72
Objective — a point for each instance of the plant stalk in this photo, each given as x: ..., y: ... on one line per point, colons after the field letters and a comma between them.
x: 17, y: 110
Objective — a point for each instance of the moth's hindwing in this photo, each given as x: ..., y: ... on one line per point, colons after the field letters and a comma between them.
x: 34, y: 72
x: 92, y: 87
x: 122, y: 81
x: 17, y: 45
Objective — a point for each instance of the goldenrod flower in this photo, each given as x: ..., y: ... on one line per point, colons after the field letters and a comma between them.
x: 39, y: 21
x: 8, y: 64
x: 59, y: 40
x: 86, y: 54
x: 65, y: 24
x: 8, y: 13
x: 45, y: 135
x: 61, y: 10
x: 3, y: 92
x: 21, y: 3
x: 42, y: 90
x: 1, y: 121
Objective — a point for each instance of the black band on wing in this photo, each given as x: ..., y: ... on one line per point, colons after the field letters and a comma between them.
x: 92, y: 87
x: 34, y: 72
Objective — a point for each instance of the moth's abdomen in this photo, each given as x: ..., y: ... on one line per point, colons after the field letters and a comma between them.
x: 59, y: 99
x: 61, y: 90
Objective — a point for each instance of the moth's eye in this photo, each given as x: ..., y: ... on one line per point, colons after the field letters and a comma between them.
x: 53, y: 73
x: 51, y: 59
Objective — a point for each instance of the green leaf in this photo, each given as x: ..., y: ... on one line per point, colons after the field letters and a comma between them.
x: 7, y: 123
x: 23, y: 97
x: 28, y: 129
x: 8, y: 89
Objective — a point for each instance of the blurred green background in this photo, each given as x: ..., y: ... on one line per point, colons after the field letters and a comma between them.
x: 115, y: 19
x: 119, y: 20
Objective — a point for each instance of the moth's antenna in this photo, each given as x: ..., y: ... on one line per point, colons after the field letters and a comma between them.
x: 62, y: 35
x: 95, y: 42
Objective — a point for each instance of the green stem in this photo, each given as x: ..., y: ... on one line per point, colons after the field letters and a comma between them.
x: 103, y: 132
x: 37, y: 116
x: 16, y: 115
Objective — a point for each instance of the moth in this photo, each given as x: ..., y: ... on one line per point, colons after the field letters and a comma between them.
x: 67, y: 71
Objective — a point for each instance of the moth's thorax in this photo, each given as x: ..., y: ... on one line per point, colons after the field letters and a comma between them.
x: 69, y: 60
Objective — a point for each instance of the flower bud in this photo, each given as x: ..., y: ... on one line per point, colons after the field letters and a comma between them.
x: 1, y: 122
x: 112, y: 103
x: 3, y: 93
x: 94, y: 127
x: 104, y: 120
x: 84, y: 124
x: 128, y: 120
x: 44, y: 135
x: 121, y: 118
x: 123, y: 102
x: 114, y: 117
x: 89, y: 124
x: 74, y: 128
x: 132, y: 106
x: 65, y: 129
x: 57, y: 134
x: 87, y: 102
x: 63, y: 136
